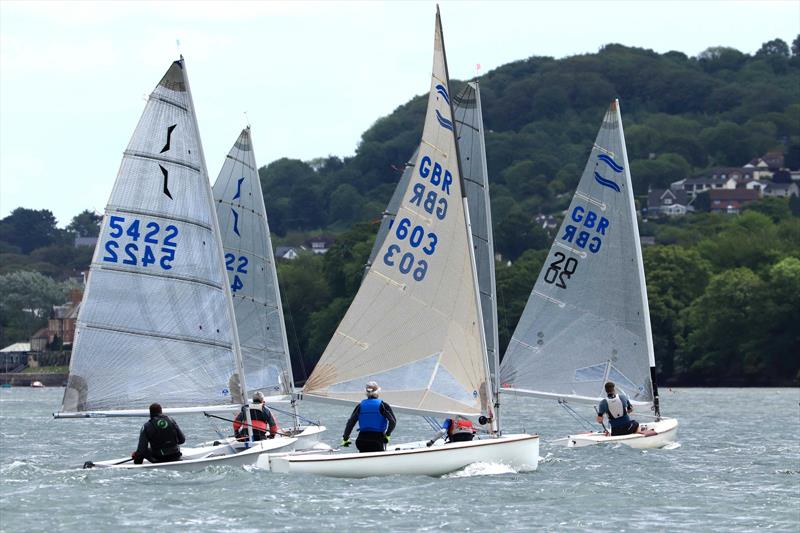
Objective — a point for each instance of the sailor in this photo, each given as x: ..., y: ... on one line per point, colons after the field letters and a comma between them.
x: 617, y: 406
x: 458, y: 429
x: 260, y: 417
x: 375, y: 419
x: 159, y: 439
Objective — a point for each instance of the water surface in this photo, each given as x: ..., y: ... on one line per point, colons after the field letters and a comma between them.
x: 737, y: 469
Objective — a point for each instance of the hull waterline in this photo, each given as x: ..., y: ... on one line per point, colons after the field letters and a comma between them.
x: 666, y: 431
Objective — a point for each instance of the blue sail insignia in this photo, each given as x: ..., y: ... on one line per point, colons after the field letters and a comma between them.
x: 610, y: 162
x: 606, y: 182
x: 235, y: 222
x: 441, y: 90
x: 238, y: 189
x: 443, y: 121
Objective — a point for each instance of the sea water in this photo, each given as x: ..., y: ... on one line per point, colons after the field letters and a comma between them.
x: 737, y: 469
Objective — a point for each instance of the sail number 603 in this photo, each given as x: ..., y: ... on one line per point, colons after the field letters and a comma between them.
x: 406, y: 262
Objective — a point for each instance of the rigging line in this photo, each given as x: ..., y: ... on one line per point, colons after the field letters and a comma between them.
x: 285, y: 297
x: 585, y: 423
x: 304, y: 419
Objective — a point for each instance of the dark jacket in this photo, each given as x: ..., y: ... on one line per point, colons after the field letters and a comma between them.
x: 386, y: 411
x: 261, y: 419
x: 163, y: 437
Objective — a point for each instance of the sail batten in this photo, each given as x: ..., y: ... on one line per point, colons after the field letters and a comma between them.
x: 586, y: 320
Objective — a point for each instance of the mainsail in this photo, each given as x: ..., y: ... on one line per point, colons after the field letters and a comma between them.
x: 156, y: 323
x: 415, y: 324
x: 251, y: 271
x: 587, y: 319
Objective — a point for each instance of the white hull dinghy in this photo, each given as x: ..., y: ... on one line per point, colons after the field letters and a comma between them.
x: 253, y: 280
x: 656, y: 434
x: 221, y: 454
x: 157, y: 322
x: 520, y: 452
x: 305, y: 437
x: 587, y: 320
x: 416, y: 324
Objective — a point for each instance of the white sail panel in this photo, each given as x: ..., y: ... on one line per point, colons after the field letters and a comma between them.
x: 251, y: 271
x: 585, y: 321
x: 414, y: 325
x: 155, y: 324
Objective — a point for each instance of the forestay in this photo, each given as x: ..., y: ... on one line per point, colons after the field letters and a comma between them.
x: 414, y: 325
x: 156, y: 324
x: 587, y: 320
x: 250, y: 264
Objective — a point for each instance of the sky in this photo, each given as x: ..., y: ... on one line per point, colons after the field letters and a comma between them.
x: 311, y: 76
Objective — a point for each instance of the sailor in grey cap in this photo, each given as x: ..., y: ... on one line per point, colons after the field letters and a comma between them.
x: 375, y: 419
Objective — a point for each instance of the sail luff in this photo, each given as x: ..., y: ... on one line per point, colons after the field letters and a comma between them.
x: 640, y: 264
x: 237, y: 352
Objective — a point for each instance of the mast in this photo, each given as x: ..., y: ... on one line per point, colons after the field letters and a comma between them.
x: 237, y: 351
x: 489, y: 392
x: 639, y: 264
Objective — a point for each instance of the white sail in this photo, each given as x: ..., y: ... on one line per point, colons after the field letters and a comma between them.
x: 415, y: 324
x: 250, y: 264
x: 156, y: 323
x: 587, y: 319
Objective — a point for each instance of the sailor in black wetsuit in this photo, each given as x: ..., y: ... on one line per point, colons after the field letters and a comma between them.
x: 159, y: 439
x: 375, y: 419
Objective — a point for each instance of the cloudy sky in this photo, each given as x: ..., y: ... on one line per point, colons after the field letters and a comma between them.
x: 312, y: 76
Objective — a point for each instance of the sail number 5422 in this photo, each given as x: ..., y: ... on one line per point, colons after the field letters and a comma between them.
x: 140, y: 252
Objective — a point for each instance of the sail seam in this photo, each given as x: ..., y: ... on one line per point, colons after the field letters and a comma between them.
x: 549, y: 299
x: 470, y: 126
x: 170, y: 102
x: 162, y: 276
x: 573, y: 250
x: 182, y: 338
x: 591, y: 200
x: 240, y: 161
x: 142, y: 155
x: 162, y: 216
x: 435, y: 148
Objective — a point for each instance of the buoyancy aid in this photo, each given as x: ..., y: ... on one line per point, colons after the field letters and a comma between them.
x: 370, y: 417
x: 162, y: 436
x: 460, y: 425
x: 259, y: 421
x: 616, y: 407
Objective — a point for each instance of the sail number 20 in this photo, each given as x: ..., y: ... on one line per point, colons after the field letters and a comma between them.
x: 417, y: 239
x: 140, y: 252
x: 560, y: 269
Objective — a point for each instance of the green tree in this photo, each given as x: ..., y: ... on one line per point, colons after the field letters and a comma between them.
x: 29, y: 229
x: 26, y: 299
x: 85, y: 224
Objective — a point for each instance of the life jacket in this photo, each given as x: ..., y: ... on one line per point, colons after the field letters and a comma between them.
x: 460, y: 425
x: 616, y: 407
x: 370, y: 417
x: 163, y: 436
x: 258, y: 419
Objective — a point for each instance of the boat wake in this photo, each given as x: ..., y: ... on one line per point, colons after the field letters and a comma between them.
x: 481, y: 469
x: 672, y: 446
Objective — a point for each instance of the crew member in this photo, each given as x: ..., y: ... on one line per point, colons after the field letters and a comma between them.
x: 260, y: 417
x: 617, y: 406
x: 159, y: 440
x: 375, y: 419
x: 458, y: 429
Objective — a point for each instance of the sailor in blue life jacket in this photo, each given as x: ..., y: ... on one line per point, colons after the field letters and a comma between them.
x: 260, y: 417
x: 458, y: 429
x: 617, y: 406
x: 375, y: 419
x: 159, y: 439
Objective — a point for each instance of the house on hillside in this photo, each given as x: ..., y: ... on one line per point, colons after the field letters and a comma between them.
x: 286, y: 253
x: 752, y: 183
x: 320, y: 245
x: 60, y: 325
x: 667, y: 202
x: 14, y: 357
x: 546, y: 222
x: 694, y: 186
x: 731, y: 201
x: 771, y: 160
x: 782, y: 190
x: 737, y: 173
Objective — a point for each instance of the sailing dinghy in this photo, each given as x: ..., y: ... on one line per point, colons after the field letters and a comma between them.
x: 253, y: 280
x: 415, y: 326
x: 587, y: 320
x: 157, y: 320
